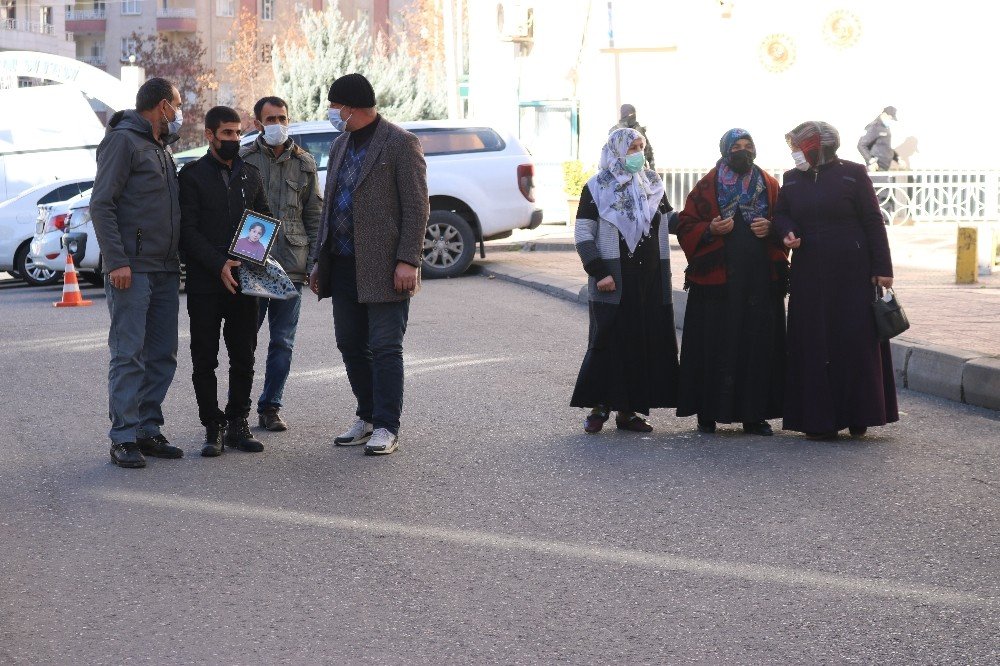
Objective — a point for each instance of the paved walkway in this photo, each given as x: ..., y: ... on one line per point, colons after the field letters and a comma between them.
x: 965, y: 317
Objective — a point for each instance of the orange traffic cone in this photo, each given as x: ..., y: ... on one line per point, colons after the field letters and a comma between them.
x: 71, y: 288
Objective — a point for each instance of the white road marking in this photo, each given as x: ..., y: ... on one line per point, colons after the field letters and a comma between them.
x: 414, y: 367
x: 69, y: 343
x: 836, y: 583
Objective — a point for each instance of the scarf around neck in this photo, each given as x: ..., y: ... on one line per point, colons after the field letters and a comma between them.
x: 627, y: 200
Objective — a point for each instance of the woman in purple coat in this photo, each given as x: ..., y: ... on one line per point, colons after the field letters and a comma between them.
x: 839, y: 375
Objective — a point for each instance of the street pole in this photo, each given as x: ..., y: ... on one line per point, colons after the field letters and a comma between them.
x: 451, y: 81
x: 611, y: 45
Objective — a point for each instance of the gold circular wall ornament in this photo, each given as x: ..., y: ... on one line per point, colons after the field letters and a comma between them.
x: 842, y: 29
x: 777, y: 52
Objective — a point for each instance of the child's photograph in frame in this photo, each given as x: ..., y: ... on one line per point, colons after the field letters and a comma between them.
x: 252, y: 241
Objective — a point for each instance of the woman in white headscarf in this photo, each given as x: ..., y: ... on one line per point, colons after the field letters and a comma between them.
x: 622, y: 238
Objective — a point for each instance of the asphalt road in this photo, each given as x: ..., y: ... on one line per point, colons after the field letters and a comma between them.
x: 498, y: 533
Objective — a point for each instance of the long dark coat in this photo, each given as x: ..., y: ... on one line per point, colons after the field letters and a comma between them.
x: 839, y: 374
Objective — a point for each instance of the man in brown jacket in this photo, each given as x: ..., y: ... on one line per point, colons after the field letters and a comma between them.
x: 368, y: 254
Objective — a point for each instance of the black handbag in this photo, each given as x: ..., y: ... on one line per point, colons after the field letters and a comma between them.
x: 890, y: 319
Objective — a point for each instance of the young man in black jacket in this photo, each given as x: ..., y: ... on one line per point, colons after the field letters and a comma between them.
x: 214, y: 192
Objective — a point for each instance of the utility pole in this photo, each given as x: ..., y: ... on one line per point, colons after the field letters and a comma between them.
x: 450, y: 70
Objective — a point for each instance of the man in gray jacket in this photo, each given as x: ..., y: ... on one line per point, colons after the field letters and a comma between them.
x: 368, y: 254
x: 136, y: 215
x: 289, y: 174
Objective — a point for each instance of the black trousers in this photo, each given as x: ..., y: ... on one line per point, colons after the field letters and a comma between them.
x: 207, y: 313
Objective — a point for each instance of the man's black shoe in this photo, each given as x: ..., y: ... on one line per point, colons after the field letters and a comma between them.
x: 158, y: 447
x: 759, y: 428
x: 238, y: 435
x: 215, y: 440
x: 127, y: 454
x: 271, y: 420
x: 707, y: 427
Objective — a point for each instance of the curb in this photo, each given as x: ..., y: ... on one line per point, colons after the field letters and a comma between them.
x: 971, y: 378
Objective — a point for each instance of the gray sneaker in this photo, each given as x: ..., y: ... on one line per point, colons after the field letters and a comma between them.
x: 359, y: 433
x: 382, y: 443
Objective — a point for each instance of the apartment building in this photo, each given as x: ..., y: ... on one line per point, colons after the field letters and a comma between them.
x: 101, y: 31
x: 29, y: 25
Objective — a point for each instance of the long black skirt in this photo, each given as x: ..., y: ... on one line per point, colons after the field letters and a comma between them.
x: 733, y: 347
x: 631, y: 360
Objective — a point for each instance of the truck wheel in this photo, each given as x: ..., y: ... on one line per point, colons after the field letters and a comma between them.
x: 449, y: 245
x: 34, y: 274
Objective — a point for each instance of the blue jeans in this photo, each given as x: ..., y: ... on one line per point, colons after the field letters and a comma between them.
x: 282, y: 319
x: 370, y: 340
x: 143, y: 343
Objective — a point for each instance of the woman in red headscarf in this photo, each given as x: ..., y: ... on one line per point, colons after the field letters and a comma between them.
x: 733, y: 350
x: 839, y: 373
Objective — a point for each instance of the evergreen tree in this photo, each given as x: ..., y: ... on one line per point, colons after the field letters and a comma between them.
x: 327, y: 46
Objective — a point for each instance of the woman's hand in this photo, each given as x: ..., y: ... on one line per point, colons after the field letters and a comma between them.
x: 761, y: 227
x: 879, y: 281
x: 790, y: 241
x: 606, y: 284
x: 720, y: 227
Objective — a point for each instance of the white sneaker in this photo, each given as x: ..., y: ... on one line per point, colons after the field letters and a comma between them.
x: 359, y: 433
x: 382, y: 443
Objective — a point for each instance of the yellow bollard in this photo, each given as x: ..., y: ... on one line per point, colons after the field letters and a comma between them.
x: 966, y: 256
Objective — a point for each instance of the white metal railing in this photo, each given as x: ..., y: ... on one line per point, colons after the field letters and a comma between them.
x: 952, y: 195
x: 20, y: 25
x: 175, y: 12
x: 86, y: 14
x: 96, y: 61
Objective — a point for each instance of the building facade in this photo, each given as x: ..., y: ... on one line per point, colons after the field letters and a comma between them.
x: 33, y: 26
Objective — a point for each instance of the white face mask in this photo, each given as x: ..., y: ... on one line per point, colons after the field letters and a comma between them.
x: 801, y: 163
x: 174, y: 126
x: 339, y: 124
x: 276, y: 134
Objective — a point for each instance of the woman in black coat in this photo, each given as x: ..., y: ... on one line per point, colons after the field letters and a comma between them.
x: 839, y: 375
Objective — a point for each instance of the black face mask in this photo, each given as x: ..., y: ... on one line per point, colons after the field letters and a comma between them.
x: 228, y: 150
x: 740, y: 161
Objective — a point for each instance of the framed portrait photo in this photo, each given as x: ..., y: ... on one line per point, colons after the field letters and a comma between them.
x: 254, y: 237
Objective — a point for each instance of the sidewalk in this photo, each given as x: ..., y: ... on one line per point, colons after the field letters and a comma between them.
x: 952, y: 349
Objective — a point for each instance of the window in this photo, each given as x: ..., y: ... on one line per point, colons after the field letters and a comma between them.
x: 265, y: 52
x: 225, y: 95
x: 224, y: 8
x: 131, y: 7
x: 318, y: 145
x: 222, y: 52
x: 459, y: 140
x: 66, y: 192
x: 128, y: 48
x: 267, y: 10
x: 97, y: 50
x: 45, y: 20
x: 8, y: 10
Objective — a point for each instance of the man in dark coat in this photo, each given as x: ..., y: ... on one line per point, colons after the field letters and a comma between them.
x: 876, y: 144
x: 137, y: 221
x: 368, y: 256
x: 627, y: 119
x: 214, y: 192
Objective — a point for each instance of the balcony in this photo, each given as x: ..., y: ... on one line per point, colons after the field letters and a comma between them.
x: 91, y: 20
x: 176, y: 19
x: 96, y: 61
x: 21, y: 35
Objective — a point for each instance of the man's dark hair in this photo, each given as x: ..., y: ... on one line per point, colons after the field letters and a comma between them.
x: 152, y: 92
x: 272, y: 100
x: 263, y: 229
x: 220, y: 114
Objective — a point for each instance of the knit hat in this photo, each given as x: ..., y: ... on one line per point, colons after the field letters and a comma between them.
x: 890, y: 111
x: 352, y: 90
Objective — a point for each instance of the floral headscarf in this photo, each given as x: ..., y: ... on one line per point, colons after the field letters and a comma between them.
x: 744, y: 192
x: 817, y: 140
x: 627, y: 200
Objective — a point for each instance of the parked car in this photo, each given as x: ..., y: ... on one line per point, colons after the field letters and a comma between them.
x: 18, y: 219
x: 56, y: 232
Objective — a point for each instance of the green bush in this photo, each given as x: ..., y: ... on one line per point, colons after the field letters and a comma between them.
x: 575, y: 177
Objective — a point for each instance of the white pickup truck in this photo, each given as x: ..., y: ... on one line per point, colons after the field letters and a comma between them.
x: 480, y: 183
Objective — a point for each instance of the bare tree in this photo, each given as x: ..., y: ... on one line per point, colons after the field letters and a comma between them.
x: 249, y: 68
x: 182, y: 62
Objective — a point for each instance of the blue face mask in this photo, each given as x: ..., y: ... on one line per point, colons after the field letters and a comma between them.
x: 339, y: 124
x: 634, y: 162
